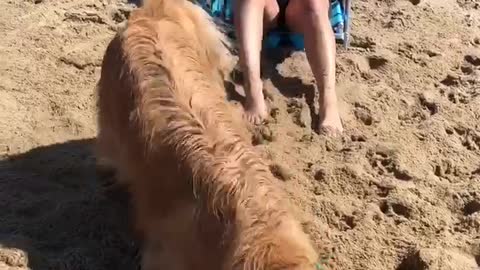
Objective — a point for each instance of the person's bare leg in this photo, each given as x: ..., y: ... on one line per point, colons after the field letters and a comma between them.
x: 311, y: 18
x: 249, y: 22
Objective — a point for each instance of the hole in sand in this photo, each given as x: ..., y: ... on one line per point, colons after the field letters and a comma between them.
x: 358, y: 138
x: 401, y: 210
x: 412, y: 262
x: 473, y: 59
x: 349, y: 221
x: 384, y: 207
x: 415, y: 2
x: 466, y: 69
x: 383, y: 191
x: 430, y: 105
x: 386, y: 162
x: 364, y: 116
x: 402, y: 175
x: 450, y: 80
x: 320, y: 174
x: 376, y: 62
x: 452, y: 97
x: 471, y: 208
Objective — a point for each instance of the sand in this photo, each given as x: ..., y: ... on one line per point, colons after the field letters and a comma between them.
x: 399, y: 190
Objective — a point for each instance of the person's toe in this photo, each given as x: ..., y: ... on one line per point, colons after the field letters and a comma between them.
x: 253, y: 118
x: 330, y: 131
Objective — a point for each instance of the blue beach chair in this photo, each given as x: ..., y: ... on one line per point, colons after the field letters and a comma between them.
x: 340, y: 10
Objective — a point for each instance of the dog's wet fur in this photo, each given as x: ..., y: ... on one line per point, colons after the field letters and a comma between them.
x: 203, y: 197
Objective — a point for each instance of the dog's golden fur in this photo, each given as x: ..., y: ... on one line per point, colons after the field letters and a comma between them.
x: 203, y: 198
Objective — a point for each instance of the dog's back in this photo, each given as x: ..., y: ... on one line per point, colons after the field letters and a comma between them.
x: 198, y: 186
x: 169, y: 48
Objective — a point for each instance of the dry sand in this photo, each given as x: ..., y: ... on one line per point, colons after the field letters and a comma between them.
x: 400, y: 190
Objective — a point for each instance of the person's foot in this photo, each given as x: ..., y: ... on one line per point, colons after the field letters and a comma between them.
x: 330, y: 123
x: 255, y: 106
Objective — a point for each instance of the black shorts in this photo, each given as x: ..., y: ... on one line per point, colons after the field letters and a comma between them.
x: 281, y: 22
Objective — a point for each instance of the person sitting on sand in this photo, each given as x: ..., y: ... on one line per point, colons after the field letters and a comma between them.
x: 309, y: 17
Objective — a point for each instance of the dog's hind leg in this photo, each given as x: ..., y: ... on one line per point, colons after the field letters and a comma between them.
x: 170, y: 241
x: 155, y: 256
x: 108, y: 169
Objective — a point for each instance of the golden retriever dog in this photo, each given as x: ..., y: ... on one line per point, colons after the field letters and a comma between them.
x: 203, y: 197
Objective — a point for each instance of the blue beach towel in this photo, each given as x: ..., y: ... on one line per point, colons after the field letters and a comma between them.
x: 222, y: 10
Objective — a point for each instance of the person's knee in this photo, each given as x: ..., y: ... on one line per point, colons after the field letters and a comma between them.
x: 316, y: 8
x: 319, y: 7
x: 259, y: 3
x: 268, y: 8
x: 301, y: 12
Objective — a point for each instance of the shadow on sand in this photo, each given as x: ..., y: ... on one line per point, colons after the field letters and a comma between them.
x: 136, y: 2
x: 53, y: 209
x: 289, y: 87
